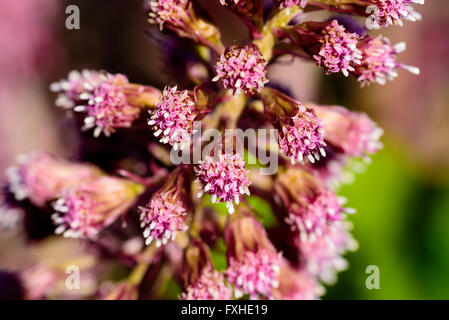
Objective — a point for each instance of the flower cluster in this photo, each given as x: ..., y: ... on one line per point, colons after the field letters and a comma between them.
x: 242, y: 69
x: 181, y: 229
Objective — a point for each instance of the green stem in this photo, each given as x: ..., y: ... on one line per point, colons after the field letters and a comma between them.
x: 139, y: 271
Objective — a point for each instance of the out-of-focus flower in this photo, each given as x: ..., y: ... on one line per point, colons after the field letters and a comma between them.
x: 323, y: 257
x: 291, y: 3
x: 167, y: 211
x: 310, y: 204
x: 301, y: 133
x: 181, y: 17
x: 173, y: 117
x: 109, y: 101
x: 353, y: 134
x: 253, y: 262
x: 202, y: 281
x: 297, y: 285
x: 84, y: 211
x: 40, y: 280
x: 378, y: 63
x: 382, y: 13
x: 242, y: 69
x: 42, y: 177
x: 224, y: 177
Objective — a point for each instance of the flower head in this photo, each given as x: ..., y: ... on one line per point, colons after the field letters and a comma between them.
x: 378, y: 63
x: 296, y: 285
x: 301, y: 133
x: 173, y: 117
x: 253, y: 263
x: 201, y: 280
x: 166, y: 212
x: 84, y: 211
x: 323, y: 257
x: 242, y: 68
x: 350, y: 133
x: 210, y: 285
x: 171, y: 12
x: 109, y: 101
x: 41, y: 177
x: 224, y: 177
x: 338, y: 52
x: 310, y: 205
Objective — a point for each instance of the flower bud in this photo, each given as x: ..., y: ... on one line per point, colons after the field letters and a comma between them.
x: 202, y: 281
x: 253, y: 262
x: 300, y: 131
x: 42, y: 177
x: 83, y: 212
x: 108, y: 101
x: 167, y: 211
x: 309, y: 203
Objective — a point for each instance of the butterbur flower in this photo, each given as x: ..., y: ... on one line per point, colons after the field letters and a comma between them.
x: 338, y: 51
x: 300, y: 131
x: 41, y: 177
x: 350, y: 133
x: 253, y: 263
x: 329, y: 44
x: 324, y: 256
x: 251, y: 10
x: 291, y: 3
x: 242, y: 69
x: 108, y: 101
x: 223, y: 176
x: 84, y: 211
x: 202, y: 281
x: 296, y: 285
x: 173, y: 118
x: 181, y: 17
x: 378, y: 63
x: 309, y: 203
x: 382, y: 13
x: 166, y: 212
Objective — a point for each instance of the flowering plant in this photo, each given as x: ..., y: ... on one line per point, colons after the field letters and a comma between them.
x: 177, y: 220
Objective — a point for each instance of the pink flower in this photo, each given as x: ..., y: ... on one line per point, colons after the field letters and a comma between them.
x: 242, y: 68
x: 350, y: 133
x: 291, y: 3
x: 300, y: 131
x: 224, y: 177
x: 172, y: 12
x: 109, y: 101
x: 41, y: 177
x: 390, y: 12
x: 166, y: 213
x: 210, y: 285
x: 254, y: 274
x: 310, y: 204
x: 253, y: 262
x: 339, y: 51
x: 296, y: 285
x: 378, y: 63
x: 84, y: 211
x: 173, y: 117
x: 323, y: 257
